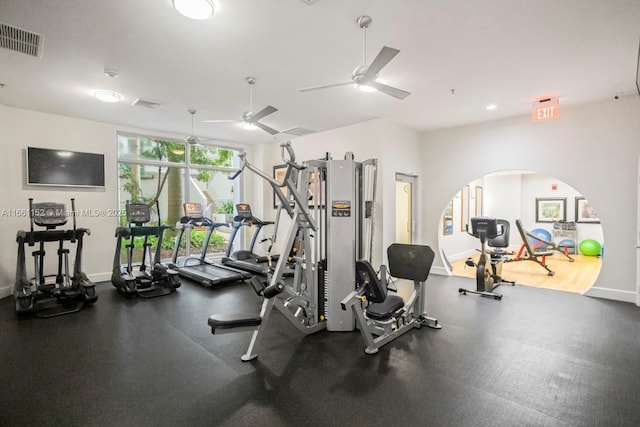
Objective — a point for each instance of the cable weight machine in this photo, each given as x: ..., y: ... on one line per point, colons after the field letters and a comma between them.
x: 327, y: 201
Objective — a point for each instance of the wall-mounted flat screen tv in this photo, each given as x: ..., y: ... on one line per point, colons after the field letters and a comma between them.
x: 64, y: 168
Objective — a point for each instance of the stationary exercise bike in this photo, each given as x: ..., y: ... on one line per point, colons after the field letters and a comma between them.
x: 494, y: 233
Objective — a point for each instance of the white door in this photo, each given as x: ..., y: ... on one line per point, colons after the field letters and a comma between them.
x: 406, y: 208
x: 638, y: 243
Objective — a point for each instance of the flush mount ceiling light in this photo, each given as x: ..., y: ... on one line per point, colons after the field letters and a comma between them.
x: 107, y: 96
x: 491, y: 107
x: 194, y: 9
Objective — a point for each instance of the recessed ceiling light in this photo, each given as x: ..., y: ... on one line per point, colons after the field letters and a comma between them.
x: 194, y: 9
x: 107, y: 96
x: 491, y: 107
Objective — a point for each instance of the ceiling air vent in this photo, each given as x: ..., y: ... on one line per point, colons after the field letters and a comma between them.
x: 140, y: 102
x: 298, y: 131
x: 19, y: 40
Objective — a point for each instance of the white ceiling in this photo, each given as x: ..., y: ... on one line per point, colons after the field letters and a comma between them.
x: 503, y: 52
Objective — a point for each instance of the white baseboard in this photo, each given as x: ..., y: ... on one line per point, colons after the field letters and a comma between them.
x: 100, y: 277
x: 95, y: 278
x: 440, y: 271
x: 6, y: 291
x: 463, y: 255
x: 612, y: 294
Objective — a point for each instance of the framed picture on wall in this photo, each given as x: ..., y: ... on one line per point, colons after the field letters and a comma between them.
x: 584, y: 212
x: 317, y: 190
x: 278, y: 174
x: 447, y: 219
x: 464, y: 207
x: 479, y: 201
x: 551, y: 209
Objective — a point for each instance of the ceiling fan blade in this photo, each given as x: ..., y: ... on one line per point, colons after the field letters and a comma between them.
x: 219, y: 121
x: 385, y: 55
x: 262, y: 113
x: 266, y: 128
x: 388, y: 90
x: 308, y: 89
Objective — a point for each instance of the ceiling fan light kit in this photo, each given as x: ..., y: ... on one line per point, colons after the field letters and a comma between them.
x: 192, y: 139
x: 366, y: 88
x: 249, y: 119
x: 365, y: 77
x: 194, y: 9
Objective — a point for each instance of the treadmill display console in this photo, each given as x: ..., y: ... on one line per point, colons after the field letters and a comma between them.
x: 244, y: 210
x: 193, y: 210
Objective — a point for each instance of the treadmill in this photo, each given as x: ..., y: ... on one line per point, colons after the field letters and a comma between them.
x: 246, y: 259
x: 196, y: 267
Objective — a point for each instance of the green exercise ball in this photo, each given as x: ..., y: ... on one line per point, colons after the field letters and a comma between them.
x: 590, y: 247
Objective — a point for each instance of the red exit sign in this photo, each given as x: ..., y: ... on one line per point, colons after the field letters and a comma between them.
x: 547, y: 110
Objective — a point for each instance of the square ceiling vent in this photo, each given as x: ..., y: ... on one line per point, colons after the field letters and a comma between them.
x: 20, y: 40
x: 147, y: 103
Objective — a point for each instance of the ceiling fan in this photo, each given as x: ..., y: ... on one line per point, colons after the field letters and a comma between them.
x: 192, y: 139
x: 365, y: 76
x: 250, y: 120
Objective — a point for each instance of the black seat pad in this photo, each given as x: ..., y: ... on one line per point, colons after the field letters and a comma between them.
x: 384, y: 310
x: 233, y: 320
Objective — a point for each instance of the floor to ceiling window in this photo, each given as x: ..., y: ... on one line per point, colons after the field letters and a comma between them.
x: 165, y: 174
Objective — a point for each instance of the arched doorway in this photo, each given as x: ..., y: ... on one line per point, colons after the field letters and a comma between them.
x: 541, y: 203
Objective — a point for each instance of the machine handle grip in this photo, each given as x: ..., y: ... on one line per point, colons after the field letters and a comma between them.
x: 31, y: 242
x: 290, y: 158
x: 73, y: 212
x: 243, y: 163
x: 273, y: 290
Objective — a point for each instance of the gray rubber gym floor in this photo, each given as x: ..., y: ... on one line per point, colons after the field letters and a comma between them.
x: 536, y: 358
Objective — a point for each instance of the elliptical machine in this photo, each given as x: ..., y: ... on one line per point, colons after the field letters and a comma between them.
x: 494, y: 233
x: 153, y: 279
x: 51, y: 295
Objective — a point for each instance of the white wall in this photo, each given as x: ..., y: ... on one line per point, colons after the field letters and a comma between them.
x: 459, y: 244
x: 593, y: 148
x: 535, y: 185
x: 396, y: 148
x: 512, y: 195
x: 22, y: 128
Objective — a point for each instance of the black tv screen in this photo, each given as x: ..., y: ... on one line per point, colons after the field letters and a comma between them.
x: 64, y: 168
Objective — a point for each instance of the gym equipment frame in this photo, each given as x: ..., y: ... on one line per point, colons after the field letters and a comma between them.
x: 154, y: 279
x: 528, y: 253
x: 322, y: 244
x: 495, y: 233
x: 65, y: 293
x: 382, y: 318
x: 198, y: 268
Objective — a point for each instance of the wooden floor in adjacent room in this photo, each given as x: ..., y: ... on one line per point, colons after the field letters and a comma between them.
x: 577, y: 276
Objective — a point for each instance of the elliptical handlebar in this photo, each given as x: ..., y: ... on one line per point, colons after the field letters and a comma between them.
x: 31, y: 241
x: 73, y: 212
x: 243, y: 163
